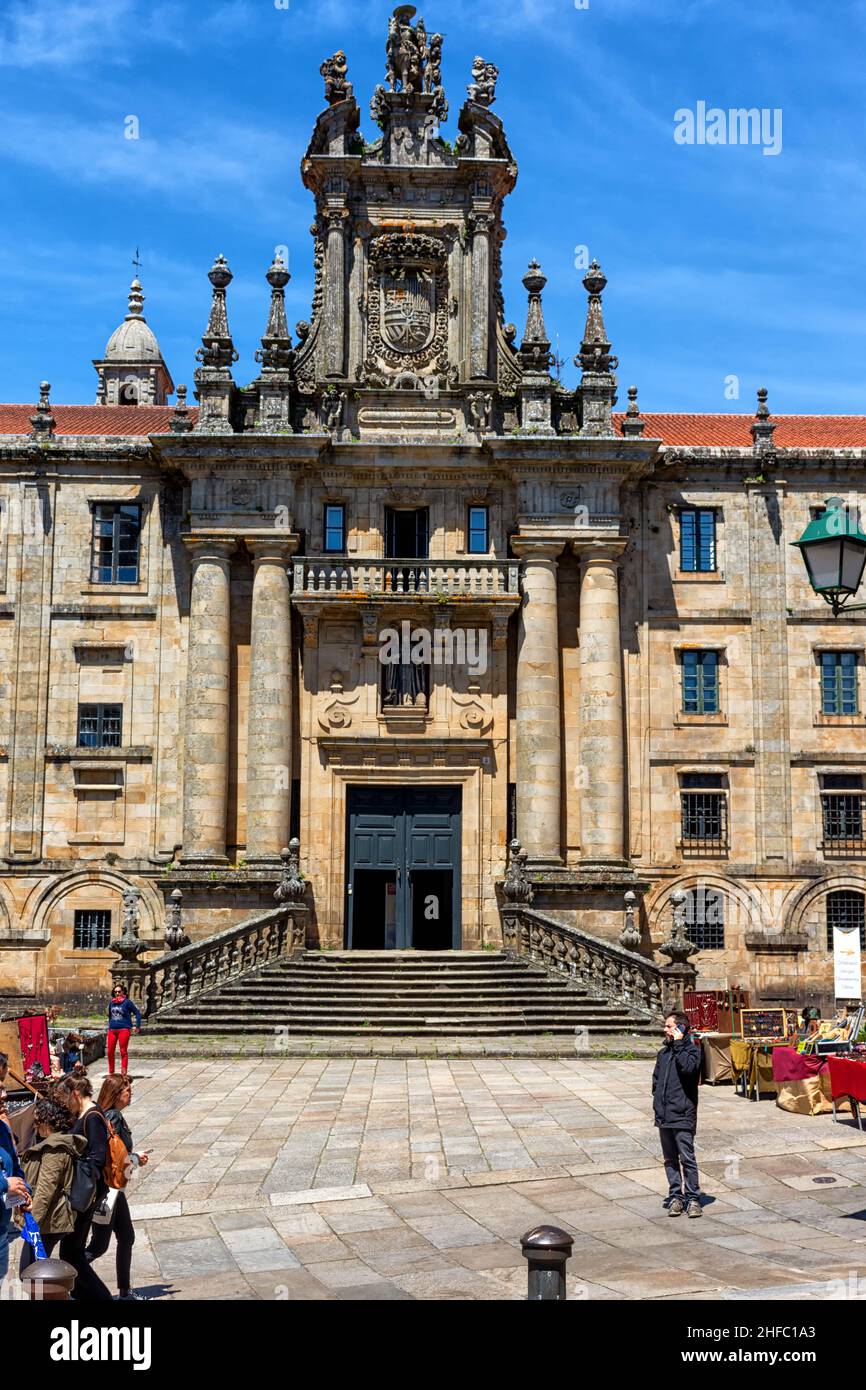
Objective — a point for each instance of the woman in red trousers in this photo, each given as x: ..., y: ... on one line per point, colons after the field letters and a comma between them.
x: 123, y: 1018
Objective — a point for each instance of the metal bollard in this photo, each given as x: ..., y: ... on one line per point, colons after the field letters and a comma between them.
x: 546, y: 1250
x: 49, y: 1281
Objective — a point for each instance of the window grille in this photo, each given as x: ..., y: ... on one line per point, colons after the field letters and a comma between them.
x: 92, y: 930
x: 845, y: 909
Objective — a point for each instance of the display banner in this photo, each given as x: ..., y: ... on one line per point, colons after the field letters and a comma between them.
x: 846, y: 962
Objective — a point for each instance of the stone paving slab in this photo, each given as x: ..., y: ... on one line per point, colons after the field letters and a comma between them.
x: 616, y: 1045
x: 444, y: 1173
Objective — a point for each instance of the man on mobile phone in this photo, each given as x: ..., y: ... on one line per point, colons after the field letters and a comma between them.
x: 675, y: 1104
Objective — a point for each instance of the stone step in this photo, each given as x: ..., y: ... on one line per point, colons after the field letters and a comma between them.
x: 411, y: 1027
x: 303, y: 989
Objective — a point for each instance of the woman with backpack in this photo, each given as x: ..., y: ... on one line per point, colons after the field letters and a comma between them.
x: 123, y: 1018
x: 114, y: 1097
x: 49, y: 1168
x: 89, y: 1184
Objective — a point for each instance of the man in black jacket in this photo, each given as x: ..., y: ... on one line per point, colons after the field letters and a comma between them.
x: 675, y: 1103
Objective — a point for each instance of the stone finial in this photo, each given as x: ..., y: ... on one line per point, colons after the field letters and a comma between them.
x: 629, y: 937
x: 180, y: 418
x: 43, y: 421
x: 633, y: 424
x: 517, y: 886
x: 334, y: 70
x: 275, y: 353
x: 482, y: 88
x: 217, y: 349
x: 535, y: 348
x: 175, y: 936
x: 597, y: 389
x: 291, y: 885
x: 594, y: 355
x: 678, y: 948
x: 136, y: 300
x: 129, y: 945
x: 762, y: 426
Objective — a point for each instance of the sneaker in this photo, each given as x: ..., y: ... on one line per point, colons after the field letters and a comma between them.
x: 132, y: 1297
x: 693, y: 1208
x: 676, y: 1207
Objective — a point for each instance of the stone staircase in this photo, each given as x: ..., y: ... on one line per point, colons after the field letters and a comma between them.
x: 400, y: 994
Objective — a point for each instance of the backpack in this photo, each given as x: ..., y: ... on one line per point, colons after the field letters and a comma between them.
x: 82, y: 1189
x: 116, y: 1170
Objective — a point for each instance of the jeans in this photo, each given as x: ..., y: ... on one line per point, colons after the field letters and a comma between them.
x: 681, y: 1166
x: 124, y: 1233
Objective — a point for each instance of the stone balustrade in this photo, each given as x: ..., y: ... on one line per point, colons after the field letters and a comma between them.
x: 603, y: 969
x: 327, y: 575
x: 247, y: 946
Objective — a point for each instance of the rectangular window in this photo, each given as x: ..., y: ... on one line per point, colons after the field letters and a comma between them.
x: 100, y: 726
x: 116, y: 542
x: 92, y: 931
x: 700, y: 682
x: 335, y: 528
x: 839, y: 683
x: 704, y: 806
x: 478, y: 531
x: 698, y: 539
x: 842, y: 811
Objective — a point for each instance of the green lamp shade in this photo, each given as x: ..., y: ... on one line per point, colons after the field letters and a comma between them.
x: 834, y: 550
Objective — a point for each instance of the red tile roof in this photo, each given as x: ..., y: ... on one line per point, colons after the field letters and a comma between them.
x: 708, y: 431
x: 93, y: 419
x: 726, y: 431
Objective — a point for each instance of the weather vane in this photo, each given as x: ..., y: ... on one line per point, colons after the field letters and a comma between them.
x: 136, y: 261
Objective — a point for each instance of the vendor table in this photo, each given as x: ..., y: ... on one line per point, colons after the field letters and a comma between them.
x: 847, y: 1078
x: 716, y: 1049
x: 803, y: 1082
x: 752, y: 1065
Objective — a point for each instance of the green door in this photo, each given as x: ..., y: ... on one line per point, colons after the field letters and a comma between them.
x: 403, y: 869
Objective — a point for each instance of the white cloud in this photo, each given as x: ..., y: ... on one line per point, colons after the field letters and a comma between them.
x: 67, y: 33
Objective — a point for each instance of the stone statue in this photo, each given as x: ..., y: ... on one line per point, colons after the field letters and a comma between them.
x: 291, y: 886
x: 404, y: 51
x: 480, y: 410
x: 433, y: 73
x: 334, y: 71
x: 333, y: 405
x: 482, y: 88
x: 379, y: 106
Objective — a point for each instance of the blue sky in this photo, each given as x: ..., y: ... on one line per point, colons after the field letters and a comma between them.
x: 721, y: 261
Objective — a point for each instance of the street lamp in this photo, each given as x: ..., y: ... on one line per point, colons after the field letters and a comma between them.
x: 834, y: 550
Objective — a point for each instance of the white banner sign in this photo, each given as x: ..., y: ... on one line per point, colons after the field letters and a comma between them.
x: 846, y: 962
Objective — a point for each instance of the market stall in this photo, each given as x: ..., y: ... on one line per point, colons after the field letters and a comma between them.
x: 847, y: 1082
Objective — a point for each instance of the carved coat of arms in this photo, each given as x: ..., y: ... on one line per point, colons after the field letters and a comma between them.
x: 408, y: 304
x: 408, y: 309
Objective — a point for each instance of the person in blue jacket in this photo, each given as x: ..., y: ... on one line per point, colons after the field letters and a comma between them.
x: 12, y: 1182
x: 123, y: 1018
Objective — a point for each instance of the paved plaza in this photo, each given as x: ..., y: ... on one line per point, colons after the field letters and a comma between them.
x: 325, y: 1178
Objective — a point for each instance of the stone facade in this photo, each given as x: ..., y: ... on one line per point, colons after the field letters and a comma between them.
x: 244, y: 646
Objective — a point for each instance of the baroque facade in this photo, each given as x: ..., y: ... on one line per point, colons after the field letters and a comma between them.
x: 600, y: 640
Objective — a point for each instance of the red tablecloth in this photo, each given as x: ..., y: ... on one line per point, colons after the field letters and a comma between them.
x: 847, y: 1078
x: 791, y: 1065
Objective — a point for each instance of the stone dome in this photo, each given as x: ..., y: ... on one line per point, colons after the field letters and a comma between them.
x: 133, y: 341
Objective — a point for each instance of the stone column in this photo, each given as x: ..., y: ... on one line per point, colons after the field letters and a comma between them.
x: 479, y: 353
x: 334, y: 308
x: 205, y: 763
x: 602, y: 743
x: 269, y: 740
x: 539, y: 728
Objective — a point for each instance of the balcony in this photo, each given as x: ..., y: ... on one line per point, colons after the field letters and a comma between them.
x: 439, y: 581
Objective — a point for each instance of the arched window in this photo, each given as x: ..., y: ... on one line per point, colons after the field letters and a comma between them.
x: 845, y: 908
x: 705, y: 918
